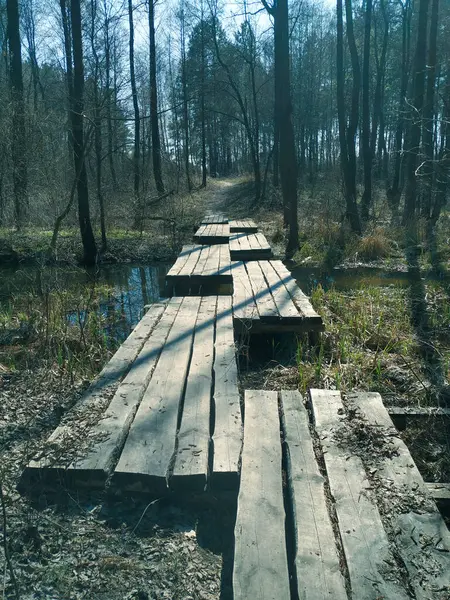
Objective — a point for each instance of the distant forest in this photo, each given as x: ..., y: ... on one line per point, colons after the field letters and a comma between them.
x: 106, y: 107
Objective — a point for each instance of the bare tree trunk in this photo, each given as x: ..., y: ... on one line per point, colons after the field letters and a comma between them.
x: 416, y: 115
x: 156, y: 142
x: 203, y: 116
x: 428, y: 113
x: 443, y: 167
x: 137, y: 118
x: 288, y: 158
x: 366, y: 200
x: 378, y: 116
x: 185, y: 99
x: 109, y: 101
x: 394, y: 192
x: 348, y: 171
x: 87, y: 235
x: 18, y: 133
x: 98, y: 127
x: 354, y: 114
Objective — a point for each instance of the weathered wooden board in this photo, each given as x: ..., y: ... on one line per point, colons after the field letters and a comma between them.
x: 93, y: 469
x: 148, y: 450
x: 427, y: 559
x: 369, y: 556
x: 68, y: 441
x: 283, y: 302
x: 440, y: 492
x: 190, y: 470
x: 262, y: 303
x: 300, y: 299
x: 218, y: 218
x: 260, y: 559
x: 244, y: 305
x: 267, y: 309
x: 316, y: 556
x: 227, y: 434
x: 249, y: 246
x: 202, y: 270
x: 212, y: 234
x: 243, y: 226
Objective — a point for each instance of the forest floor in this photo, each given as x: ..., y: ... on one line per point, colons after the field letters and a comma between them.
x: 395, y: 340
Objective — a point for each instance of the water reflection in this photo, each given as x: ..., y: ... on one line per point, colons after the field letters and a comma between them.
x: 128, y: 288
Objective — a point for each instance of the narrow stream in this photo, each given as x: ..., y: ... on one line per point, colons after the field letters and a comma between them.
x: 126, y: 288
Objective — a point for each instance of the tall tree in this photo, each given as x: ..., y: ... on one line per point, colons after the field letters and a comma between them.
x: 394, y: 192
x: 416, y: 114
x: 137, y: 118
x: 366, y: 200
x: 18, y: 132
x: 287, y: 152
x: 346, y: 138
x: 154, y: 122
x: 79, y: 151
x: 429, y: 111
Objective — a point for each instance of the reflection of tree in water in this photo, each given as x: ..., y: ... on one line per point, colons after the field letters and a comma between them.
x: 420, y: 319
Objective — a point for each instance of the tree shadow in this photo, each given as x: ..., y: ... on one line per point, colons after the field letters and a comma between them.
x: 420, y: 319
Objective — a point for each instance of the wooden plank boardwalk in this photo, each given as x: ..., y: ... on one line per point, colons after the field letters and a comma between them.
x: 213, y: 233
x: 249, y: 246
x: 201, y: 269
x: 160, y: 421
x: 218, y: 218
x: 329, y: 532
x: 319, y: 516
x: 243, y: 226
x: 267, y: 299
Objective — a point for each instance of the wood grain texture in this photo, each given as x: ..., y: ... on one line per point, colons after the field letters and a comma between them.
x: 243, y: 226
x: 227, y: 434
x: 267, y: 309
x: 112, y: 429
x: 283, y: 301
x: 145, y: 459
x: 299, y: 298
x: 316, y: 556
x: 427, y: 559
x: 244, y: 306
x: 54, y: 464
x: 191, y: 459
x: 369, y: 556
x: 260, y: 558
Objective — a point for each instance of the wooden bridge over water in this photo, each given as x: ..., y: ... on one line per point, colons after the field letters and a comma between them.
x: 166, y: 416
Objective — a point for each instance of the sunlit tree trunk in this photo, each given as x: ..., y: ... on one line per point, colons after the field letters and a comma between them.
x: 87, y: 235
x: 18, y: 133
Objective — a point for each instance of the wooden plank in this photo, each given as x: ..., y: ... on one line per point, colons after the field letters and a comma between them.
x: 191, y: 458
x: 440, y: 492
x: 225, y: 262
x: 428, y: 564
x: 111, y: 431
x: 267, y: 308
x: 148, y: 450
x: 367, y: 550
x: 283, y: 301
x: 244, y: 305
x: 192, y: 260
x: 203, y: 260
x: 300, y: 299
x: 246, y: 226
x: 260, y: 559
x: 214, y: 218
x: 227, y: 433
x: 181, y: 260
x: 56, y: 458
x: 212, y: 234
x: 316, y: 556
x: 422, y: 412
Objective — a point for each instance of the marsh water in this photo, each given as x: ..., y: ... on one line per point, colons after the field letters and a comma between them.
x: 124, y: 289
